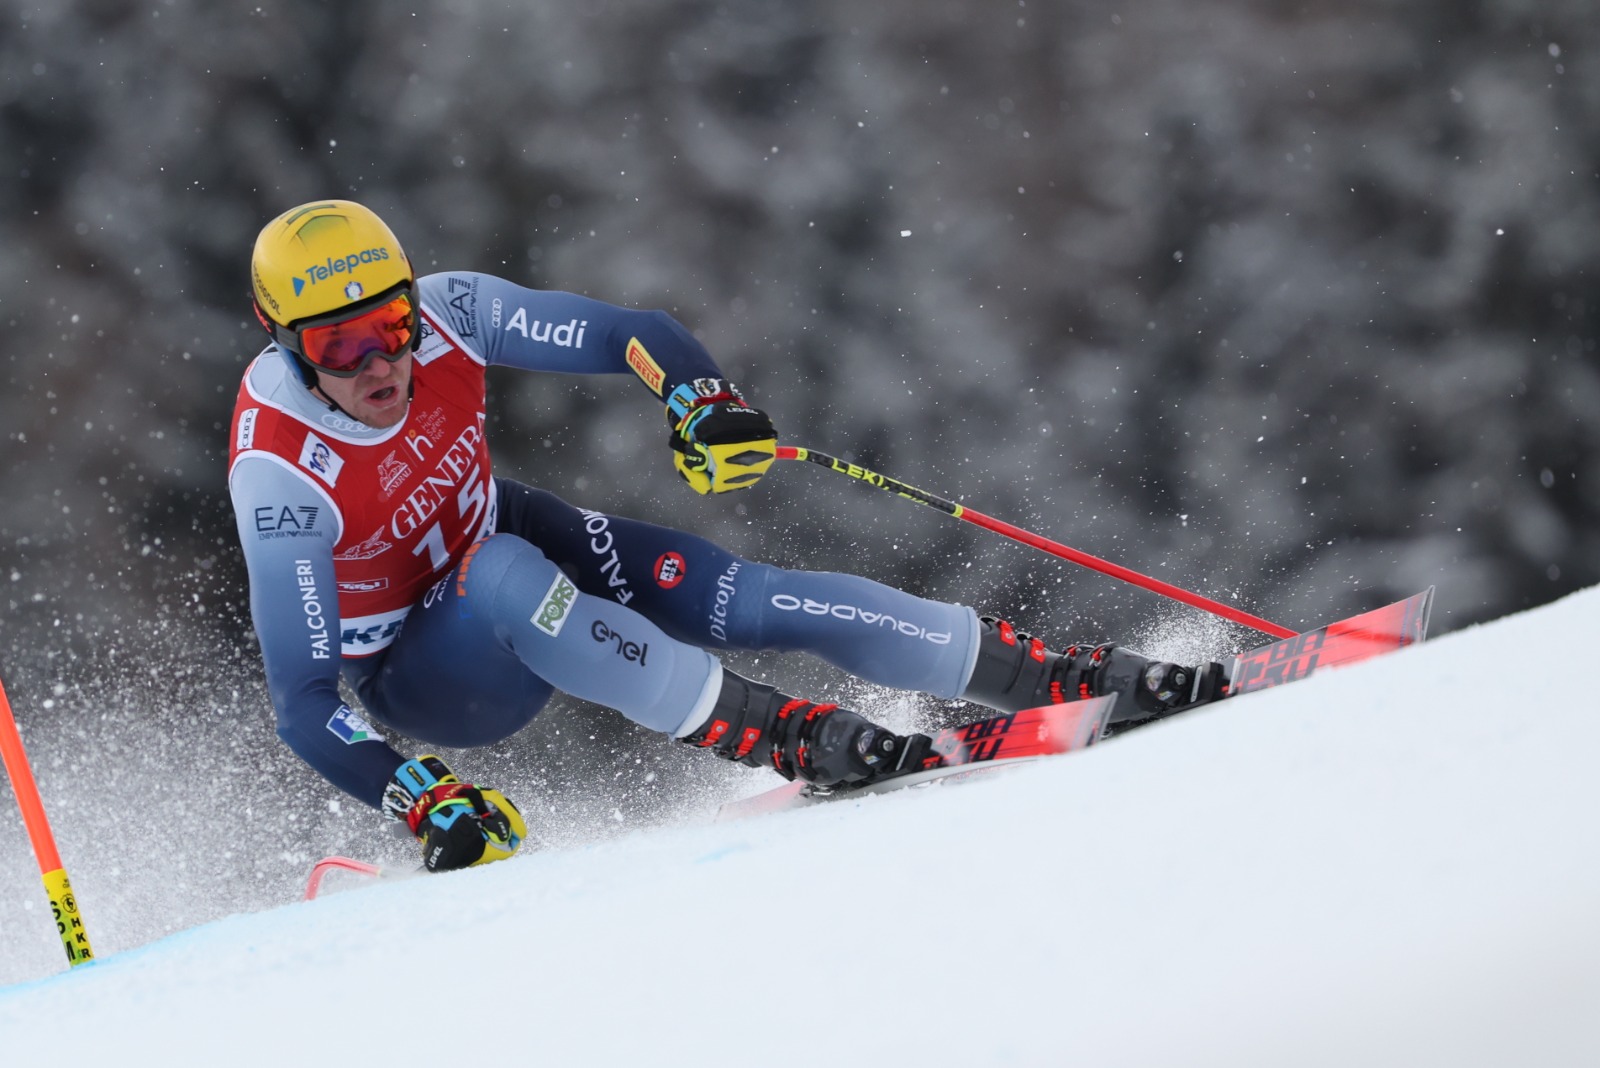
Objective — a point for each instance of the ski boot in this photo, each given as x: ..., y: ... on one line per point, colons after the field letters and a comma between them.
x: 1015, y: 671
x: 821, y: 744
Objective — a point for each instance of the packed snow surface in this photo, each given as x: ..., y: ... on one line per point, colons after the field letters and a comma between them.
x: 1391, y: 864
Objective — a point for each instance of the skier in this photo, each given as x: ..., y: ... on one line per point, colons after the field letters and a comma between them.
x: 381, y: 547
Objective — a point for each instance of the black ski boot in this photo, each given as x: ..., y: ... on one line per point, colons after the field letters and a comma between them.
x: 1015, y: 671
x: 826, y: 745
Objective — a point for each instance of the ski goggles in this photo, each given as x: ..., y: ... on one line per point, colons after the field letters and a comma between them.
x: 342, y: 345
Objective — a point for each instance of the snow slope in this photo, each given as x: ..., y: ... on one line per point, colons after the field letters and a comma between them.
x: 1393, y: 864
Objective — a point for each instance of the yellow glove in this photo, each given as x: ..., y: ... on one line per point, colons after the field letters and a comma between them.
x: 719, y: 442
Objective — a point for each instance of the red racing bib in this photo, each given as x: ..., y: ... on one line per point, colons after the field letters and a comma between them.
x: 409, y: 501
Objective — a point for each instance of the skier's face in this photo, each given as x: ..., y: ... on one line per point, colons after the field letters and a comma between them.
x: 377, y: 396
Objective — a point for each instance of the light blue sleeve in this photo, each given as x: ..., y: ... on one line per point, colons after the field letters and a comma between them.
x: 287, y: 530
x: 547, y: 330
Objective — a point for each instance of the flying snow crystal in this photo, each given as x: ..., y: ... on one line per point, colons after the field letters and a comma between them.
x: 905, y: 233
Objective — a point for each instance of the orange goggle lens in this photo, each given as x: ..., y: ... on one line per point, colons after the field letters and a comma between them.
x: 342, y: 348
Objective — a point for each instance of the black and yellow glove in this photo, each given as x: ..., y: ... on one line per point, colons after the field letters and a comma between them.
x: 719, y: 442
x: 458, y: 824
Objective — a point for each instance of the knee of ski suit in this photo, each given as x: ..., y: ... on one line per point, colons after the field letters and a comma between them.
x: 589, y: 647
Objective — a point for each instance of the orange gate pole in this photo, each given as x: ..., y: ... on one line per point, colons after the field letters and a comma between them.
x: 74, y: 937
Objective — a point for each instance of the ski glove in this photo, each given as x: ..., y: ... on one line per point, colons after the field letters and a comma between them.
x: 719, y: 442
x: 458, y: 824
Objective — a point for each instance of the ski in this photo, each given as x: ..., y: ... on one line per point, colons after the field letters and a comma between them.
x: 987, y: 743
x: 329, y: 865
x: 1383, y: 630
x: 1006, y: 738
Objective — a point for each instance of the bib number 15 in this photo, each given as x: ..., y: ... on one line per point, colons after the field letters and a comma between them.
x: 471, y: 503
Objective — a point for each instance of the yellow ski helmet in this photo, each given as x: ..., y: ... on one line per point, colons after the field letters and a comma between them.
x: 321, y: 262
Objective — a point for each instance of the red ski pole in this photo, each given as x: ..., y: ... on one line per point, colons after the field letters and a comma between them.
x: 1055, y: 548
x: 69, y: 925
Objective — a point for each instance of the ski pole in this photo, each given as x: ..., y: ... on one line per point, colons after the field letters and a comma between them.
x: 1055, y: 548
x: 74, y: 937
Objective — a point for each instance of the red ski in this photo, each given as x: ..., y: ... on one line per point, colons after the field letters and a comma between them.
x: 360, y: 869
x: 1053, y: 729
x: 1370, y: 634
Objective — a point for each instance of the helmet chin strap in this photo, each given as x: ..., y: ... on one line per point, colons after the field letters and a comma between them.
x: 333, y: 405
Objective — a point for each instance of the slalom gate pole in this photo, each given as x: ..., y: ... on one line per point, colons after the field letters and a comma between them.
x: 74, y: 937
x: 1105, y: 567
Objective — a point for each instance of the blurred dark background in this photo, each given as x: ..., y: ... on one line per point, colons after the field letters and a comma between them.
x: 1289, y: 302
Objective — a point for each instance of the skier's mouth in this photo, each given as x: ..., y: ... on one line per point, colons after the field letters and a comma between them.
x: 382, y: 396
